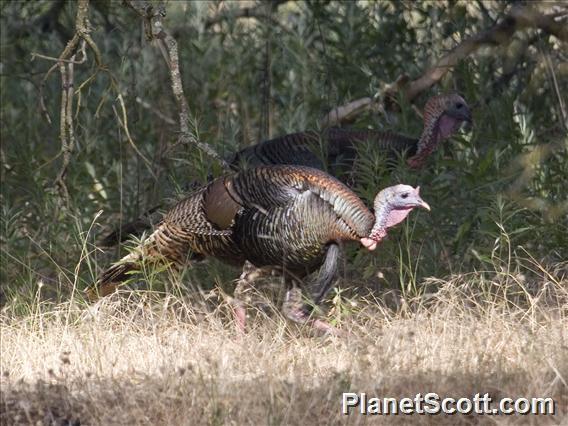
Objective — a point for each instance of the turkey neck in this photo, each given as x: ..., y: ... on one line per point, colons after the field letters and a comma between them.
x: 386, y: 216
x: 379, y: 229
x: 435, y: 130
x: 425, y: 145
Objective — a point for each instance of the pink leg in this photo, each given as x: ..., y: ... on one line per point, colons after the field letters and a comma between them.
x: 244, y: 284
x: 240, y: 316
x: 293, y: 308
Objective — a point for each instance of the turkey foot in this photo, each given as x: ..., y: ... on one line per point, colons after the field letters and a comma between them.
x: 295, y: 310
x: 244, y: 285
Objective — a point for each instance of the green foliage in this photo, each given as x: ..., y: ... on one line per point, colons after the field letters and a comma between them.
x: 498, y: 186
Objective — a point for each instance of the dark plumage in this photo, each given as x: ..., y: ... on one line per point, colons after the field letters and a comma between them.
x: 285, y: 217
x: 443, y: 114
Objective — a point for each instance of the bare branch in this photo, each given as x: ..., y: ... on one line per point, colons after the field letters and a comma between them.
x: 66, y: 131
x: 519, y: 18
x: 561, y: 104
x: 65, y: 62
x: 124, y: 124
x: 555, y: 24
x: 155, y: 30
x: 346, y: 112
x: 51, y: 58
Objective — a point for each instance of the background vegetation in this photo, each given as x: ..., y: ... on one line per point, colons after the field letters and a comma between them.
x: 497, y: 234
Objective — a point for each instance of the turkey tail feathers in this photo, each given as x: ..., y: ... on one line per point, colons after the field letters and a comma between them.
x: 113, y: 277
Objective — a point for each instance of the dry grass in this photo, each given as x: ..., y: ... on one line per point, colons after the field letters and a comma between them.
x: 152, y: 360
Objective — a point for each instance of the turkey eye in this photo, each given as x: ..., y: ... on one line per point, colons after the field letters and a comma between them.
x: 405, y: 195
x: 459, y: 105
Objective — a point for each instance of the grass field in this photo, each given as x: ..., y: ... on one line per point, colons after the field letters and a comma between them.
x: 149, y: 359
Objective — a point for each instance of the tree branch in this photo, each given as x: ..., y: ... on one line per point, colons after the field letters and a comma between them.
x: 155, y: 30
x: 65, y: 63
x: 347, y: 112
x: 519, y: 18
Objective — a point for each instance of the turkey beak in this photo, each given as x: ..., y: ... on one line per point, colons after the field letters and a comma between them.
x: 423, y: 204
x: 419, y: 201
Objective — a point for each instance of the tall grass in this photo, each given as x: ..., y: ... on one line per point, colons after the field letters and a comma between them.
x: 173, y: 356
x: 145, y: 358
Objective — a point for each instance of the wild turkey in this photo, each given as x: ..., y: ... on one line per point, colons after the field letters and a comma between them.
x: 443, y: 115
x: 288, y: 218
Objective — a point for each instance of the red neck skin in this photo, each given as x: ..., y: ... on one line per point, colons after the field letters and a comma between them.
x: 387, y: 217
x: 431, y: 137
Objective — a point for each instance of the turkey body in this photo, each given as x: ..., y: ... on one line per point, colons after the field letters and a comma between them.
x: 288, y: 218
x: 291, y: 215
x: 336, y: 147
x: 280, y: 216
x: 333, y: 148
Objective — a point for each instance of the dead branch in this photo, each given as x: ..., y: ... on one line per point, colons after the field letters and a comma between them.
x: 500, y: 34
x: 555, y: 24
x: 65, y: 63
x: 346, y: 113
x: 561, y: 105
x: 124, y: 124
x: 519, y: 18
x: 155, y: 30
x: 59, y: 180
